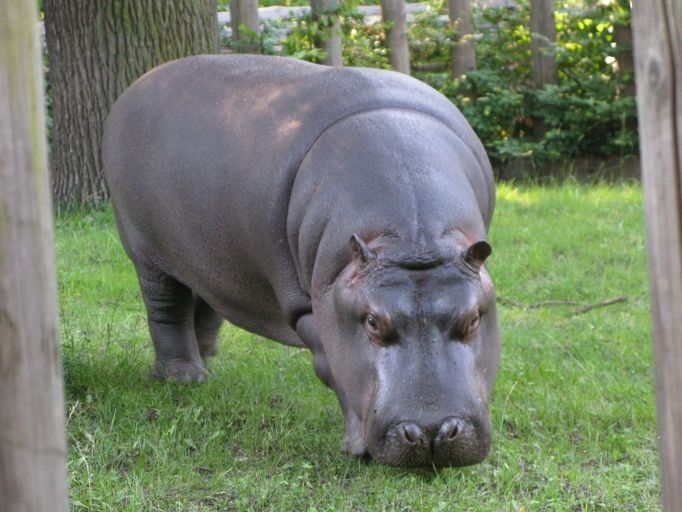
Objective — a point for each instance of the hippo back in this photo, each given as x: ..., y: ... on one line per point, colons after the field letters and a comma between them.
x: 201, y: 156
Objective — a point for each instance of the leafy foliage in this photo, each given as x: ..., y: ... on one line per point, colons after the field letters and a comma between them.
x: 430, y: 40
x: 588, y: 113
x: 363, y: 44
x: 301, y: 41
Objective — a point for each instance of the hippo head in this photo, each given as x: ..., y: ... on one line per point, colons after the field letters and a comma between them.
x: 409, y: 341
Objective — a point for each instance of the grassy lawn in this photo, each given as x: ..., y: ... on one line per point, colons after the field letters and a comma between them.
x: 573, y: 407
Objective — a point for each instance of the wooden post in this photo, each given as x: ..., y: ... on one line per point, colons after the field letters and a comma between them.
x: 244, y: 12
x: 326, y: 13
x: 32, y: 440
x: 393, y: 14
x: 657, y: 35
x: 463, y: 50
x: 543, y: 39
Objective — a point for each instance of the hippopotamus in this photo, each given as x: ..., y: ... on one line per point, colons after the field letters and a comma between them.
x: 344, y: 210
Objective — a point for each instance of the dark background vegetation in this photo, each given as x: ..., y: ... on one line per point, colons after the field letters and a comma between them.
x: 589, y: 114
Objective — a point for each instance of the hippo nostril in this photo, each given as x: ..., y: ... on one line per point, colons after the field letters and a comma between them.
x: 449, y: 430
x: 411, y: 433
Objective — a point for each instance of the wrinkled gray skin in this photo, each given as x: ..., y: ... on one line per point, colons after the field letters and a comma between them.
x: 343, y: 210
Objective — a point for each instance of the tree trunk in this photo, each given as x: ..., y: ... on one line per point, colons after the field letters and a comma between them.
x: 658, y: 59
x: 543, y: 42
x: 244, y: 24
x: 96, y: 49
x: 463, y: 50
x: 393, y: 13
x: 622, y: 34
x: 32, y: 439
x: 326, y: 14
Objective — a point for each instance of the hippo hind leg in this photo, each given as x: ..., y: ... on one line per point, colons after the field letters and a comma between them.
x: 170, y: 316
x: 206, y: 326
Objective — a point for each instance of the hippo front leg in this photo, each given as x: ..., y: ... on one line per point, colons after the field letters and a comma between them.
x: 353, y: 441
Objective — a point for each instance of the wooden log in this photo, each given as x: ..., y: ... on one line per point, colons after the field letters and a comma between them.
x: 622, y: 35
x: 326, y: 14
x: 543, y: 41
x: 244, y: 14
x: 657, y: 31
x: 32, y: 439
x: 463, y: 57
x: 393, y: 14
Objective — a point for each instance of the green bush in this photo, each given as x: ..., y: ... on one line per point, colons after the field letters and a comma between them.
x: 363, y: 45
x: 300, y: 42
x: 430, y: 40
x: 587, y: 113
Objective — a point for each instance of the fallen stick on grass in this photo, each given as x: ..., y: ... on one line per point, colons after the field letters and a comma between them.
x: 536, y: 305
x: 584, y: 308
x: 590, y: 307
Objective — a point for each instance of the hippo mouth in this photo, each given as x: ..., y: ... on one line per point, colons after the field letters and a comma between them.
x: 454, y: 442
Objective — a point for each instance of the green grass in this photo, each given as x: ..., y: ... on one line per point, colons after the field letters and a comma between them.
x: 573, y: 407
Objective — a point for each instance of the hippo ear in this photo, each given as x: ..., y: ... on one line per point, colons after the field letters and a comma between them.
x: 361, y: 252
x: 477, y: 253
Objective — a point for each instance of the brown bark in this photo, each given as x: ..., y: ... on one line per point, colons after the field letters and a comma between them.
x: 543, y: 41
x: 96, y: 48
x: 393, y: 13
x: 622, y: 34
x: 657, y: 28
x: 463, y: 51
x: 326, y: 13
x: 244, y: 13
x: 32, y: 439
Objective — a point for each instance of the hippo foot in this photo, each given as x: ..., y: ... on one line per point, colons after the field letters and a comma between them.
x: 179, y: 371
x: 354, y: 440
x: 208, y: 350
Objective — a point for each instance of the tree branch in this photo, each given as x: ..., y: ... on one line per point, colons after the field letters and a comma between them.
x: 584, y: 308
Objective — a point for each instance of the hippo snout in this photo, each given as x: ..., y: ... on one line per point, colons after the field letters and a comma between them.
x: 450, y: 442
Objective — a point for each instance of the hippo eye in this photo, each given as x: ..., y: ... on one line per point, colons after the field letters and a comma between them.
x: 372, y: 324
x: 467, y: 328
x: 379, y: 330
x: 376, y: 330
x: 473, y: 324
